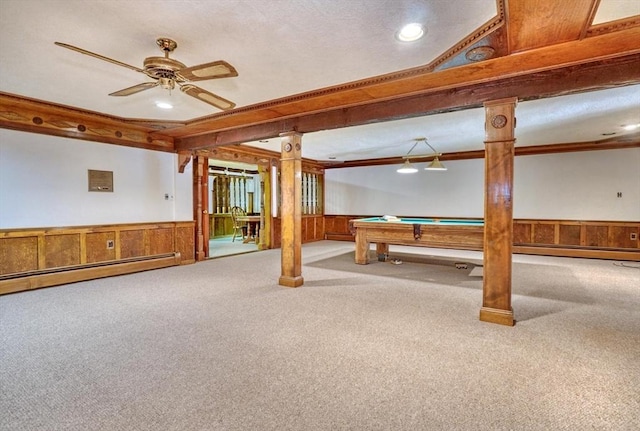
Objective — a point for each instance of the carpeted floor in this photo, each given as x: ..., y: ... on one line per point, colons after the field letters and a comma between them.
x: 220, y: 346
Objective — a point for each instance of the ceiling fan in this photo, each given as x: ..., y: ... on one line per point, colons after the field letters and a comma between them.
x: 168, y: 72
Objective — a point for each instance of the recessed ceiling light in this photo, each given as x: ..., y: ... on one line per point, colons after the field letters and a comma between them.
x: 164, y: 105
x: 410, y: 32
x: 631, y: 126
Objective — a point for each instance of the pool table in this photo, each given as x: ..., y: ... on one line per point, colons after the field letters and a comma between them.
x: 421, y: 232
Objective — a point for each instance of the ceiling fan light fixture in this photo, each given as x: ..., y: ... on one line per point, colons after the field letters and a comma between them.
x: 167, y: 72
x: 410, y: 32
x: 167, y: 83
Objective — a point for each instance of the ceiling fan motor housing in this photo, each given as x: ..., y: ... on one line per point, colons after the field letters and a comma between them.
x: 161, y: 67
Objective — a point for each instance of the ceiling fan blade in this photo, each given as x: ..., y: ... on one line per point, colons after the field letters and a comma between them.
x: 98, y: 56
x: 215, y: 69
x: 135, y: 89
x: 207, y: 97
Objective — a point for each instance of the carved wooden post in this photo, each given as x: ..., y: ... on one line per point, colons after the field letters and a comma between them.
x: 198, y: 173
x: 206, y: 233
x: 498, y: 211
x: 291, y: 213
x: 265, y: 207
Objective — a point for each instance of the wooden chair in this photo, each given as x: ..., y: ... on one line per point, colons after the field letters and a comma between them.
x: 239, y: 227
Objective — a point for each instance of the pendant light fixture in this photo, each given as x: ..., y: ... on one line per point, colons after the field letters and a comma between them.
x: 435, y: 165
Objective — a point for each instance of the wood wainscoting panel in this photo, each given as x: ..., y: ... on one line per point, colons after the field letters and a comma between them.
x: 276, y: 228
x: 160, y: 240
x: 319, y: 228
x: 31, y: 258
x: 132, y: 243
x: 305, y: 229
x: 62, y: 250
x: 337, y: 224
x: 597, y: 236
x: 620, y: 237
x: 544, y: 233
x: 571, y: 238
x: 18, y: 254
x: 220, y: 225
x: 184, y: 242
x: 312, y: 228
x: 521, y: 233
x: 569, y: 234
x: 101, y: 246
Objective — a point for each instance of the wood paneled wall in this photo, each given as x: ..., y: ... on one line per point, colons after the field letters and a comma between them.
x: 595, y: 239
x: 622, y: 235
x: 28, y: 252
x: 220, y: 225
x: 313, y: 229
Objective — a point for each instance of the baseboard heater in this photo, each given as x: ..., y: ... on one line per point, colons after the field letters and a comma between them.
x: 17, y: 282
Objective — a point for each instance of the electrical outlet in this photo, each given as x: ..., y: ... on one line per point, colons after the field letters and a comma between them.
x: 633, y: 236
x: 110, y: 244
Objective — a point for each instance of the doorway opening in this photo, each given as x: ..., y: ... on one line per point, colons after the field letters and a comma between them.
x: 236, y: 208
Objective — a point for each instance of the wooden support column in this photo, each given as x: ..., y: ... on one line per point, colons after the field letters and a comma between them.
x: 265, y: 207
x: 291, y: 209
x: 200, y: 172
x: 498, y: 211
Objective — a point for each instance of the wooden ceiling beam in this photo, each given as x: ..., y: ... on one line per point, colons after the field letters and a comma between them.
x: 532, y: 24
x: 414, y: 84
x: 419, y: 81
x: 615, y: 143
x: 593, y: 76
x: 35, y: 116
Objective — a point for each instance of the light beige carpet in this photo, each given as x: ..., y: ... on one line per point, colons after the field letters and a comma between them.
x: 220, y: 346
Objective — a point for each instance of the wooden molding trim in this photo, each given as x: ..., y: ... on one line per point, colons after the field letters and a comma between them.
x: 617, y: 143
x: 597, y: 75
x: 632, y: 256
x: 611, y: 26
x: 184, y: 158
x: 480, y: 33
x: 258, y: 156
x: 35, y: 116
x: 418, y: 81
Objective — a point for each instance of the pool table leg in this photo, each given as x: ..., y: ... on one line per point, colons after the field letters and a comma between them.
x: 382, y: 251
x: 362, y: 247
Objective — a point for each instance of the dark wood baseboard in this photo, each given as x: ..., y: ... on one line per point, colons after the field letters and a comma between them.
x: 579, y: 252
x: 45, y: 278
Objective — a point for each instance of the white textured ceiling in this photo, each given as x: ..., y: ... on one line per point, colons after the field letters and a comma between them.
x: 280, y: 48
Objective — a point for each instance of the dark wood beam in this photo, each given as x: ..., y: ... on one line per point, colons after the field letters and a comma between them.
x: 615, y: 143
x: 546, y: 22
x: 597, y: 75
x: 419, y: 81
x: 36, y: 116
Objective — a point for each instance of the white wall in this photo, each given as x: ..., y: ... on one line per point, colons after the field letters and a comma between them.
x: 379, y: 190
x: 578, y: 186
x: 44, y: 182
x: 570, y: 186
